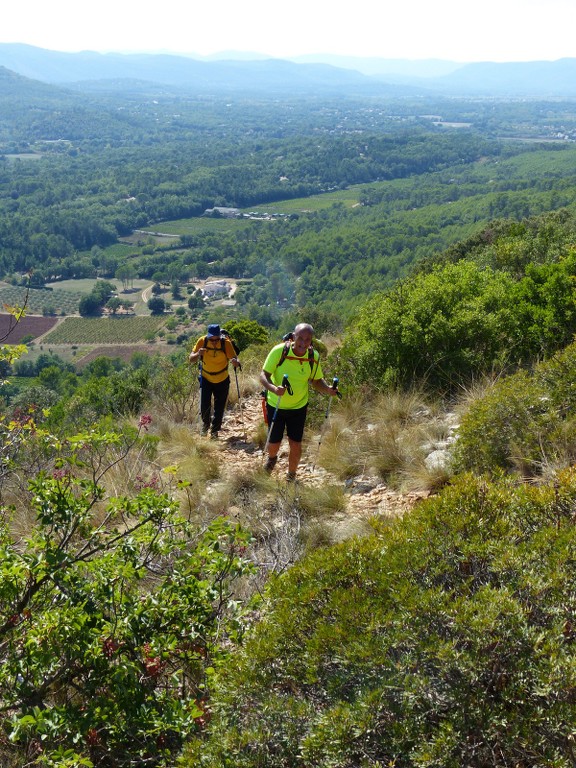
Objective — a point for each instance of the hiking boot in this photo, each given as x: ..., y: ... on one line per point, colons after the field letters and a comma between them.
x: 204, y: 431
x: 213, y: 435
x: 291, y: 477
x: 270, y: 464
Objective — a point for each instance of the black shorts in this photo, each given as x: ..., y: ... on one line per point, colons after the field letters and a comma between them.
x: 292, y: 420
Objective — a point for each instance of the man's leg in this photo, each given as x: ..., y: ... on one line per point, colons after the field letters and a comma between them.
x: 205, y: 404
x: 275, y: 436
x: 220, y: 391
x: 294, y: 455
x: 295, y: 430
x: 273, y: 449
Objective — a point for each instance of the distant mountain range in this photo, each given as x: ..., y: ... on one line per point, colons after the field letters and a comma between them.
x: 231, y: 72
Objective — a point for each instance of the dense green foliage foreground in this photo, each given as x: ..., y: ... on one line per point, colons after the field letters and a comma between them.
x: 112, y: 607
x: 446, y: 639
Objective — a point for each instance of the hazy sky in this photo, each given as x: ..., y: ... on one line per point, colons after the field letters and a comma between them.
x: 492, y: 30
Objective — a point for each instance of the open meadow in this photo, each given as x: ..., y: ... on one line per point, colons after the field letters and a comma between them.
x: 349, y: 197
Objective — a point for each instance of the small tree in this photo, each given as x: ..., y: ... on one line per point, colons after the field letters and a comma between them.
x: 126, y: 273
x: 90, y: 305
x: 114, y: 304
x: 196, y: 301
x: 127, y: 306
x: 156, y: 305
x: 246, y: 332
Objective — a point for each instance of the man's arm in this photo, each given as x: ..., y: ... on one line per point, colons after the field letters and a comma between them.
x: 267, y: 383
x: 199, y: 350
x: 320, y: 385
x: 231, y: 353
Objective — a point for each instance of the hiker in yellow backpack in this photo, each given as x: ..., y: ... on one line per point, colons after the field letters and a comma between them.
x: 213, y: 353
x: 287, y: 405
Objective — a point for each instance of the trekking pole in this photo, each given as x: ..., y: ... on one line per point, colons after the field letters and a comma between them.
x: 200, y: 377
x: 240, y: 403
x: 326, y: 416
x: 286, y: 385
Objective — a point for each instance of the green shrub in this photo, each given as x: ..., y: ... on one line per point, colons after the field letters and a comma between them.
x: 460, y: 321
x: 504, y: 428
x: 440, y: 327
x: 112, y: 611
x: 246, y: 332
x: 448, y: 640
x: 525, y: 422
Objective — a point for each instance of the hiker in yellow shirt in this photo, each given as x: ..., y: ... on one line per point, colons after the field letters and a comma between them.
x: 213, y: 352
x: 301, y: 363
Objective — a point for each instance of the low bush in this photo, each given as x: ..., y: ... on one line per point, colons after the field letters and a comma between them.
x: 446, y: 639
x: 525, y: 423
x: 460, y: 321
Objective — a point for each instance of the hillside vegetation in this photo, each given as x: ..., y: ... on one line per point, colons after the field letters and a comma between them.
x: 120, y: 330
x: 446, y: 638
x: 501, y: 299
x: 163, y: 600
x: 114, y: 163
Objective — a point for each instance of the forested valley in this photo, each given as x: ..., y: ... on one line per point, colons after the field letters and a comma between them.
x: 158, y: 608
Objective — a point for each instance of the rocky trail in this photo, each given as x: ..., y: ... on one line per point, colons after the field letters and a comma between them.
x: 365, y: 496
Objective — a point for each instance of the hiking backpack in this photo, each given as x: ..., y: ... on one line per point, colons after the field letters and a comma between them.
x: 287, y: 339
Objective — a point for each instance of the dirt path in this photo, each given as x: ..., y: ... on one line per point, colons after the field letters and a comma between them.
x: 365, y: 496
x: 146, y: 293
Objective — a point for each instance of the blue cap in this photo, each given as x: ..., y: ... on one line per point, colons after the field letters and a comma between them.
x: 214, y: 330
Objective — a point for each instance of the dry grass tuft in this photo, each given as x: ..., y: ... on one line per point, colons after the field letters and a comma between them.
x: 259, y: 434
x: 475, y: 390
x: 390, y: 437
x: 424, y: 477
x: 316, y: 535
x: 322, y: 501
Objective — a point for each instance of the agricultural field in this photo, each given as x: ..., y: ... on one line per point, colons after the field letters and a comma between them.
x: 124, y: 248
x: 110, y: 330
x: 199, y: 224
x: 78, y: 287
x: 125, y: 352
x: 12, y: 331
x: 86, y: 285
x: 348, y: 197
x: 38, y: 300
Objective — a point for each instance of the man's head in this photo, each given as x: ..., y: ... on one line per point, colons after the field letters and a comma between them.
x: 303, y: 334
x: 213, y: 331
